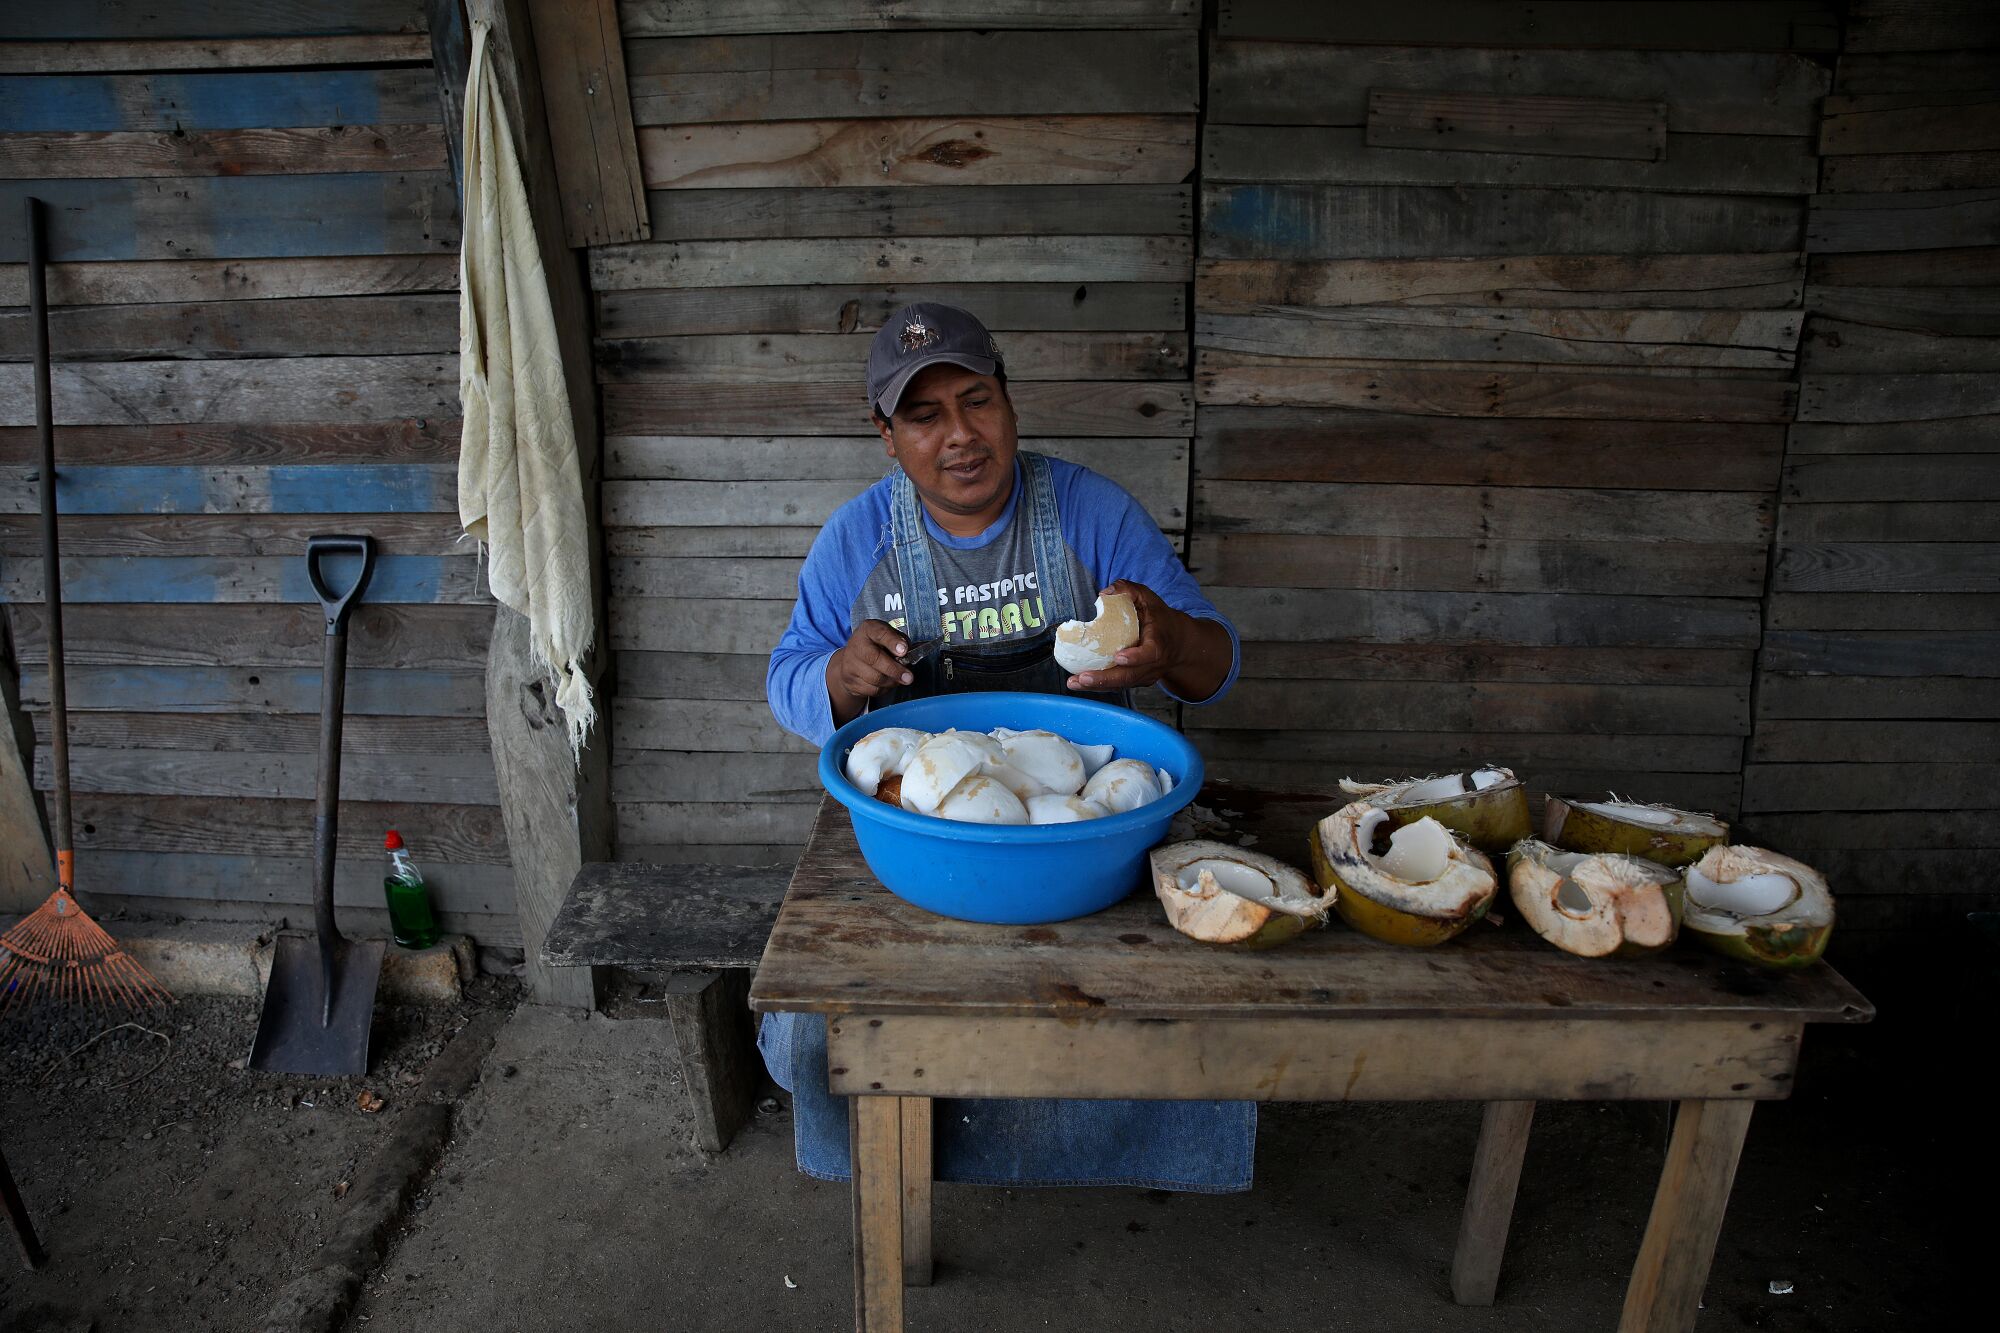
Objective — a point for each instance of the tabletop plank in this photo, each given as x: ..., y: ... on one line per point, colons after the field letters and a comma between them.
x: 845, y: 944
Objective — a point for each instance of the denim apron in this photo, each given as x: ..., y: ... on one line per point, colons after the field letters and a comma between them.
x: 1207, y: 1147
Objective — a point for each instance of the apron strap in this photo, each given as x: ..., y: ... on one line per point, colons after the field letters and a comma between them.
x: 913, y: 551
x: 1059, y: 598
x: 913, y: 560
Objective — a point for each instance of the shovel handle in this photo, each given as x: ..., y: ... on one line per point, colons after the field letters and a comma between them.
x: 337, y: 605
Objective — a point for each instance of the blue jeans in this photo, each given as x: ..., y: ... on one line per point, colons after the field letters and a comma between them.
x: 1202, y: 1147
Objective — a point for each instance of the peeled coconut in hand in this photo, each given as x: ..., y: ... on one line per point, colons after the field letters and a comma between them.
x: 1094, y: 645
x: 1225, y: 895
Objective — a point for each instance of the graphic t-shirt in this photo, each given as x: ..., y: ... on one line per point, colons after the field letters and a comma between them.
x: 988, y: 591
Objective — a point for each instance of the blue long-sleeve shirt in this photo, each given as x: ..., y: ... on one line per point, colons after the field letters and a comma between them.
x: 987, y: 583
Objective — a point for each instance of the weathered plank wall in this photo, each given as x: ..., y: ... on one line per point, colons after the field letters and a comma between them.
x: 1495, y: 349
x: 809, y: 168
x: 1877, y: 742
x: 255, y: 325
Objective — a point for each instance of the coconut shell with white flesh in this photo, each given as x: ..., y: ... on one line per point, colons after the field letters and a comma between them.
x: 1595, y: 906
x: 1226, y: 895
x: 1657, y: 833
x: 1419, y: 884
x: 1759, y: 907
x: 1092, y: 645
x: 1488, y: 806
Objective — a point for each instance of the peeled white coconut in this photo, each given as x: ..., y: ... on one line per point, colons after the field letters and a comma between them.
x: 1224, y: 895
x: 1095, y: 757
x: 1758, y: 906
x: 1023, y: 785
x: 1057, y: 808
x: 881, y: 754
x: 981, y: 800
x: 1594, y: 905
x: 1047, y: 758
x: 937, y: 766
x: 1123, y: 784
x: 1418, y: 884
x: 1092, y: 645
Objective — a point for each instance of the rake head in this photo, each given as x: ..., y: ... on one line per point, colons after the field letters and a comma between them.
x: 59, y: 954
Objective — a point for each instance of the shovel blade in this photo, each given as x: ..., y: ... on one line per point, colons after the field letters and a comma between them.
x: 295, y: 1034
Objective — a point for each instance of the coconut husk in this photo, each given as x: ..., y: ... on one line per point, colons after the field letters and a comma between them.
x: 1220, y: 894
x: 1487, y: 806
x: 1398, y: 911
x: 1657, y: 833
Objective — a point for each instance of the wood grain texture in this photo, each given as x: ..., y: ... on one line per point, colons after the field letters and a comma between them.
x: 234, y: 101
x: 1575, y: 663
x: 796, y: 213
x: 1909, y: 220
x: 949, y: 259
x: 1888, y: 477
x: 1011, y: 150
x: 258, y: 152
x: 346, y: 326
x: 1921, y: 25
x: 1526, y: 619
x: 1226, y: 378
x: 796, y: 76
x: 1664, y: 1294
x: 194, y: 19
x: 1469, y: 122
x: 589, y: 119
x: 379, y: 638
x: 1809, y: 788
x: 316, y: 389
x: 1897, y: 397
x: 203, y: 579
x: 1488, y: 707
x: 1929, y: 121
x: 1911, y: 171
x: 195, y: 443
x: 237, y: 217
x: 1864, y: 742
x: 676, y: 18
x: 394, y: 692
x: 1489, y: 1201
x: 1705, y: 92
x: 627, y: 914
x: 1880, y: 611
x: 875, y: 1150
x: 769, y: 359
x: 1689, y: 164
x: 214, y: 879
x: 1972, y: 652
x: 407, y: 777
x: 1950, y: 567
x: 1381, y: 754
x: 235, y: 52
x: 1525, y: 282
x: 113, y: 282
x: 1766, y: 25
x: 846, y: 308
x: 441, y: 834
x: 1877, y: 697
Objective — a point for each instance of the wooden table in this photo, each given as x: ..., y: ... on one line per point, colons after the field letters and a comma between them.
x: 1119, y: 1005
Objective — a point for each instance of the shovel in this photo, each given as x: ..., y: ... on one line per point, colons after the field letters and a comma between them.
x: 320, y: 1002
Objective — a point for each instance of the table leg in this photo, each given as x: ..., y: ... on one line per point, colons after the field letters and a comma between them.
x: 916, y: 1191
x: 1489, y: 1201
x: 875, y: 1140
x: 1665, y: 1291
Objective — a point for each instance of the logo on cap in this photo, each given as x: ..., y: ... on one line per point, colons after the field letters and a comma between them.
x: 917, y: 334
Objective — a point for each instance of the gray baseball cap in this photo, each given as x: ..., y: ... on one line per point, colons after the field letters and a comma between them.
x: 925, y: 334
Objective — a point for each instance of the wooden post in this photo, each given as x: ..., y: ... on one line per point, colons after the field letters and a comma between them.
x: 590, y: 119
x: 916, y: 1191
x: 710, y: 1012
x: 1489, y: 1201
x: 1665, y: 1291
x: 875, y: 1152
x: 557, y: 816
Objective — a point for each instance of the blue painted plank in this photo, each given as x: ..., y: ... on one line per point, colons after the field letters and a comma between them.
x: 236, y: 217
x: 372, y: 691
x: 405, y: 579
x: 123, y: 20
x: 227, y: 101
x: 384, y: 488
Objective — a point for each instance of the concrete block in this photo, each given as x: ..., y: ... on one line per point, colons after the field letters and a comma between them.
x: 222, y: 958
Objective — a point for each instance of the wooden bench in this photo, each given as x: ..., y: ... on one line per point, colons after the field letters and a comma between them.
x: 704, y: 925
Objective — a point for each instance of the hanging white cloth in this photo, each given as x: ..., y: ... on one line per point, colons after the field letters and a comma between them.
x: 520, y: 489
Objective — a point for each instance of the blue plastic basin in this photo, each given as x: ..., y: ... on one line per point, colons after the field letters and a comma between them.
x: 1012, y: 874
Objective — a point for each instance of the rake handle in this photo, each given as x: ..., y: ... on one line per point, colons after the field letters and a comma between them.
x: 45, y: 429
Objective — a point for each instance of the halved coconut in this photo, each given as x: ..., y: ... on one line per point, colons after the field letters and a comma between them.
x: 1656, y: 832
x: 941, y: 763
x: 1594, y: 905
x: 1047, y: 758
x: 1419, y: 884
x: 1758, y: 906
x: 981, y: 800
x: 1093, y: 645
x: 1123, y: 784
x: 1224, y: 895
x: 1489, y: 806
x: 881, y: 753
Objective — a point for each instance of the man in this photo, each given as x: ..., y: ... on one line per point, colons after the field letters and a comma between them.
x: 951, y: 516
x: 974, y: 551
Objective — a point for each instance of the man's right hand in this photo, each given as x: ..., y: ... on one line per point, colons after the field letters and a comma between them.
x: 865, y: 666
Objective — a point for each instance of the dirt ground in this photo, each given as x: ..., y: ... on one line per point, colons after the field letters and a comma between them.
x: 177, y: 1191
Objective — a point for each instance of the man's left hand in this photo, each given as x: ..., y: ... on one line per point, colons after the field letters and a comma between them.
x: 1189, y: 653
